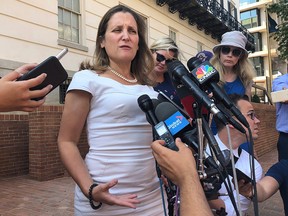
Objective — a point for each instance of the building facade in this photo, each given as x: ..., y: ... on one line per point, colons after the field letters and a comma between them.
x: 254, y: 16
x: 33, y: 30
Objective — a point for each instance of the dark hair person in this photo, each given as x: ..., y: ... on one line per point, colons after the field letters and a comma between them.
x: 118, y: 175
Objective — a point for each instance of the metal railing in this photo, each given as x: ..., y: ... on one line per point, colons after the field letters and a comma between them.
x: 262, y: 94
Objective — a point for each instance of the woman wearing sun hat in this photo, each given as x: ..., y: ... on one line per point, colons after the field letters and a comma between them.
x: 235, y: 69
x: 231, y: 60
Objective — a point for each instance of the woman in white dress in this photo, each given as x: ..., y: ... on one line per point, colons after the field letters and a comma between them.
x: 118, y: 174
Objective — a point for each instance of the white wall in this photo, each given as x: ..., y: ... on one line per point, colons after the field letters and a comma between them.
x: 29, y: 32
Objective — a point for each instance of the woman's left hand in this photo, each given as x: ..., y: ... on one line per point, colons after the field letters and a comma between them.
x: 101, y: 194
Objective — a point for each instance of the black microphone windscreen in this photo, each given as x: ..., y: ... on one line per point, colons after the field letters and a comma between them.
x: 172, y: 65
x: 145, y: 103
x: 163, y: 98
x: 155, y: 102
x: 193, y: 63
x: 164, y: 110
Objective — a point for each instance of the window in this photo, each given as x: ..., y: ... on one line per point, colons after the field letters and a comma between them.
x: 258, y: 64
x: 232, y: 9
x: 250, y: 19
x: 145, y: 21
x: 199, y: 46
x: 258, y: 41
x: 62, y: 90
x: 69, y: 20
x: 247, y: 2
x: 172, y: 35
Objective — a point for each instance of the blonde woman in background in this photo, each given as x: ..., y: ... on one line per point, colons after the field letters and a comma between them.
x: 231, y: 60
x: 165, y: 50
x: 235, y: 70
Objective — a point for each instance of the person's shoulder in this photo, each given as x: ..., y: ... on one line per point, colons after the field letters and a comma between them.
x: 281, y: 78
x: 85, y: 75
x: 86, y: 72
x: 284, y: 163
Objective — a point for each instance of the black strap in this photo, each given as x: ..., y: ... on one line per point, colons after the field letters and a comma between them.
x: 229, y: 166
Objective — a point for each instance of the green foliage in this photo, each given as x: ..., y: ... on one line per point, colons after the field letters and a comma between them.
x: 281, y: 36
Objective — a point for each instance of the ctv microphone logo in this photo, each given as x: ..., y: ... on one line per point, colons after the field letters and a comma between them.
x: 204, y: 72
x: 176, y: 123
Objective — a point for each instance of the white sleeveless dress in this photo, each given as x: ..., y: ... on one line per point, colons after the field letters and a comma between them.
x: 119, y: 137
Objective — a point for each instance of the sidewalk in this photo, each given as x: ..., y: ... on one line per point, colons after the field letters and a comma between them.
x: 22, y: 196
x: 274, y: 205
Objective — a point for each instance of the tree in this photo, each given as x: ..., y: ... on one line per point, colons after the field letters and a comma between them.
x: 281, y: 35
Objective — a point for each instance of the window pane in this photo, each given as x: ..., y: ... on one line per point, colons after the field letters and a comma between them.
x: 249, y: 18
x: 253, y: 13
x: 67, y: 32
x: 172, y: 35
x: 67, y: 18
x: 60, y: 31
x: 244, y: 15
x: 76, y: 6
x: 75, y: 35
x: 258, y: 64
x: 68, y: 4
x: 61, y: 3
x: 246, y: 2
x: 60, y: 15
x: 75, y: 23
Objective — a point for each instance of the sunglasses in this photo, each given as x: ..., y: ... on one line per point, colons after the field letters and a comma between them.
x: 161, y: 58
x: 235, y: 52
x: 252, y: 115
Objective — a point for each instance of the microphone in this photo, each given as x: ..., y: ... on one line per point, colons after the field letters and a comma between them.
x: 146, y: 105
x: 206, y: 76
x: 163, y: 98
x: 179, y: 74
x: 179, y: 126
x: 230, y: 119
x: 155, y: 103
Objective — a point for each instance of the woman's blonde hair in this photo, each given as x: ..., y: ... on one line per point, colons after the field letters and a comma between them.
x: 167, y: 44
x: 244, y: 68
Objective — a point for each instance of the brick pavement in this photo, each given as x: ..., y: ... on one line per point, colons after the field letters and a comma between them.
x: 274, y: 205
x: 22, y: 196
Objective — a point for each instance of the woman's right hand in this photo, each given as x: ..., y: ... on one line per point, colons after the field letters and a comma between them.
x: 16, y: 96
x: 101, y: 194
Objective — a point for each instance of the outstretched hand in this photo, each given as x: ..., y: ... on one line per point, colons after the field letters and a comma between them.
x: 101, y: 194
x: 176, y: 165
x: 16, y: 95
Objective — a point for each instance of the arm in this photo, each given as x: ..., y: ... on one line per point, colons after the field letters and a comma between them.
x: 76, y: 109
x: 280, y: 83
x: 16, y: 96
x: 266, y: 187
x: 180, y: 167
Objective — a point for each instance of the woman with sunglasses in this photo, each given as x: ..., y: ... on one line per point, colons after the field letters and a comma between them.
x: 235, y: 70
x: 165, y: 50
x: 231, y: 60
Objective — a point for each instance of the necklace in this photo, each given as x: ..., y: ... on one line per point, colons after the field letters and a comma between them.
x: 122, y: 77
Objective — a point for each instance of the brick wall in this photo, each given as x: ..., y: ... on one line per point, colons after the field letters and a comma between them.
x: 44, y: 159
x: 268, y: 135
x: 14, y: 139
x: 28, y: 142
